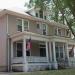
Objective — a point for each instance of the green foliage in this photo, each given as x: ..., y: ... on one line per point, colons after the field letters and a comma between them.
x: 62, y: 11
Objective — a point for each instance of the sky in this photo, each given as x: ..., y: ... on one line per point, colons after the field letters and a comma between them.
x: 12, y: 3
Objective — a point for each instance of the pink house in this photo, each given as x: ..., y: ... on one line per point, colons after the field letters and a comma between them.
x: 51, y: 42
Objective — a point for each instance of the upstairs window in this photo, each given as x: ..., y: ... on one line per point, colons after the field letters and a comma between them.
x: 41, y: 13
x: 19, y: 25
x: 38, y: 26
x: 37, y: 15
x: 45, y: 17
x: 68, y: 33
x: 59, y: 32
x: 26, y: 25
x: 44, y: 29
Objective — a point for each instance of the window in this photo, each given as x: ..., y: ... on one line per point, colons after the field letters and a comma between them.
x: 68, y: 33
x: 19, y: 25
x: 55, y: 31
x: 19, y: 49
x: 44, y: 29
x: 41, y: 13
x: 59, y: 31
x: 37, y: 14
x: 42, y: 50
x: 45, y: 17
x: 26, y: 27
x: 59, y: 52
x: 27, y: 53
x: 38, y: 26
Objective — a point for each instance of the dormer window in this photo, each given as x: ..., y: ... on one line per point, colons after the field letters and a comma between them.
x: 41, y: 13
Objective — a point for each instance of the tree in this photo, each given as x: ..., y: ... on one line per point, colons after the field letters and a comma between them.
x: 62, y: 10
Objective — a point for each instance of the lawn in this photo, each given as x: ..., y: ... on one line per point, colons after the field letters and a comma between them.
x: 51, y: 72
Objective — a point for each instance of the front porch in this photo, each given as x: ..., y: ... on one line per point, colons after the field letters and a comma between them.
x: 23, y: 59
x: 44, y: 53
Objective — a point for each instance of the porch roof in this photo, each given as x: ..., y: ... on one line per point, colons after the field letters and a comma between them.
x: 34, y: 36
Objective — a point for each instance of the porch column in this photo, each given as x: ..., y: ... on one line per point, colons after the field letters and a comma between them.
x: 50, y: 52
x: 25, y: 68
x: 54, y: 56
x: 50, y: 55
x: 47, y: 51
x: 67, y: 54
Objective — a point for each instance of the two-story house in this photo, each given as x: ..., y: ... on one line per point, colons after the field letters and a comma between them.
x: 29, y: 41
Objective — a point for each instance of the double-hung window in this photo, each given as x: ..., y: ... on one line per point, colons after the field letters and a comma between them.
x: 19, y: 25
x: 26, y: 25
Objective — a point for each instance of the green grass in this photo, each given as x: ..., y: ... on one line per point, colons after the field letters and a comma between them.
x: 51, y: 72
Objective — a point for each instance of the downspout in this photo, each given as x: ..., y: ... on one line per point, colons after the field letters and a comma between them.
x: 7, y: 43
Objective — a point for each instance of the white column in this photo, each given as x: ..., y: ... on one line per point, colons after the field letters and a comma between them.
x: 25, y: 67
x: 67, y: 53
x: 47, y: 51
x: 50, y: 55
x: 50, y: 52
x: 54, y: 56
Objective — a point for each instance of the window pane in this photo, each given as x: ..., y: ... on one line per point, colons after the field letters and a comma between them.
x: 19, y: 28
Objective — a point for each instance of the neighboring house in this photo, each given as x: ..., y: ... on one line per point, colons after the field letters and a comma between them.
x: 50, y: 42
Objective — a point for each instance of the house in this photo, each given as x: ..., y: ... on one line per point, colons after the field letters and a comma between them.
x: 29, y: 41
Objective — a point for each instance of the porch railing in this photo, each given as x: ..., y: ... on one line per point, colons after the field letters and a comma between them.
x: 36, y: 59
x: 31, y: 59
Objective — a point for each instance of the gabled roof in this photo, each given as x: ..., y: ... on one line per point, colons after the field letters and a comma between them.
x: 23, y: 14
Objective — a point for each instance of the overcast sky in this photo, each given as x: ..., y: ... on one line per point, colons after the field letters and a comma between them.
x: 12, y: 3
